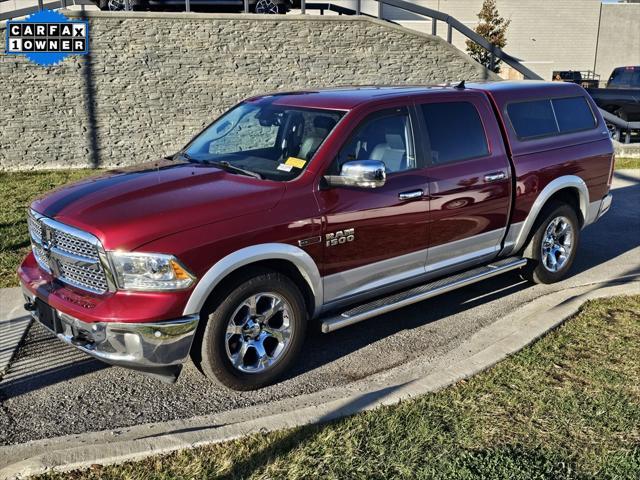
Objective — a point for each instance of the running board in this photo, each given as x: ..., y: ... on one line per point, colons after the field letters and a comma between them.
x: 420, y: 293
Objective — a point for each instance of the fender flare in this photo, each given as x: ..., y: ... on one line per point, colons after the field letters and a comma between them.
x: 560, y: 183
x: 248, y: 255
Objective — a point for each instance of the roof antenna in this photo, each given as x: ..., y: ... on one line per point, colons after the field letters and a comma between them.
x: 460, y: 86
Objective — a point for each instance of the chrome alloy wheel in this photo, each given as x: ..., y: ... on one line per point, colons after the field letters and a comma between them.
x: 557, y: 244
x: 259, y: 332
x: 116, y: 5
x: 266, y: 6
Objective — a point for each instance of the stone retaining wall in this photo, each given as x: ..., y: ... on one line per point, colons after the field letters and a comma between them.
x: 155, y: 79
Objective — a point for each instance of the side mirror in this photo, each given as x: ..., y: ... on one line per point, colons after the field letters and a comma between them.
x: 361, y: 173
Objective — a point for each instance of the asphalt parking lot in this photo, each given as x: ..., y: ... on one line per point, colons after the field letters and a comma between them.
x: 52, y: 390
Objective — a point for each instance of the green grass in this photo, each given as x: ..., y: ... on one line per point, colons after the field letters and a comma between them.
x: 17, y: 191
x: 625, y: 163
x: 566, y: 407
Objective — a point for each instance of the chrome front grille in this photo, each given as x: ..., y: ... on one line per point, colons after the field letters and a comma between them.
x: 70, y: 255
x: 75, y: 245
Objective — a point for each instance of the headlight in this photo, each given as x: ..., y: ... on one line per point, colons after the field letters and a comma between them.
x: 149, y: 271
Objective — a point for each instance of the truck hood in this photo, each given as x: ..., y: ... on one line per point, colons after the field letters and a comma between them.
x: 128, y: 208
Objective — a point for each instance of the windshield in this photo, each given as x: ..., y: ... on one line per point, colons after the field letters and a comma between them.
x: 275, y: 142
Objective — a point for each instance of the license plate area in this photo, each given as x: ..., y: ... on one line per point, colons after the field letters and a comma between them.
x: 47, y: 316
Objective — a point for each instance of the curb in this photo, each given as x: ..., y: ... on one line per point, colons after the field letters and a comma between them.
x: 14, y: 323
x: 484, y: 349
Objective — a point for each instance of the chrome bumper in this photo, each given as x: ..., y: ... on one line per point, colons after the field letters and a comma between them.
x: 158, y: 348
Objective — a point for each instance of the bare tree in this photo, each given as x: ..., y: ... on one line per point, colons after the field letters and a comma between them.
x: 493, y: 27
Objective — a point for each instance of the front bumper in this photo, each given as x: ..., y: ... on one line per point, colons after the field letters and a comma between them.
x: 158, y: 348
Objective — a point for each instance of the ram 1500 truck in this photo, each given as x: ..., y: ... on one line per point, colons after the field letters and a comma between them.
x: 333, y: 205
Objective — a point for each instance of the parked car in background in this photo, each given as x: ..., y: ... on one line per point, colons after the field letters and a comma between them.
x: 336, y: 205
x: 256, y: 6
x: 586, y: 79
x: 621, y: 95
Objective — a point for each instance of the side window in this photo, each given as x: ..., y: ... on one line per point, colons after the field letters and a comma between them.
x: 455, y: 131
x: 386, y: 137
x: 573, y: 114
x: 532, y: 119
x: 539, y: 118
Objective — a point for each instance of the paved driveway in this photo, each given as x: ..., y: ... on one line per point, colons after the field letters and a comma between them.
x: 52, y: 390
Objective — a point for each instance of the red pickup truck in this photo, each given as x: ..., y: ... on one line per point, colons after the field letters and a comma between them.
x: 332, y: 205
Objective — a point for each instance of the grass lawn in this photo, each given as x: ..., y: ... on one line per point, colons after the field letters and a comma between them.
x: 566, y: 407
x: 625, y: 163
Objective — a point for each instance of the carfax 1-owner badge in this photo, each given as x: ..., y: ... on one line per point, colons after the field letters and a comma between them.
x: 47, y: 37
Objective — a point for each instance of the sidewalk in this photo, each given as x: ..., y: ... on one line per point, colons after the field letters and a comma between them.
x: 14, y: 322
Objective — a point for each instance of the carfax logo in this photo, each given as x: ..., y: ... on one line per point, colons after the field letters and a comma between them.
x: 47, y: 37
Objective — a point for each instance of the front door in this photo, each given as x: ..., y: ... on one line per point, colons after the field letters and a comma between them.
x: 469, y: 180
x: 376, y: 236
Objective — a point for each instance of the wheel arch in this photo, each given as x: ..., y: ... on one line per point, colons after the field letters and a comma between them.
x: 570, y: 189
x: 282, y: 257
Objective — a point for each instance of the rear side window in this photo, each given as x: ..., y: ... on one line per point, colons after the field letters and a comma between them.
x: 532, y: 119
x: 455, y: 132
x: 573, y: 114
x: 541, y: 118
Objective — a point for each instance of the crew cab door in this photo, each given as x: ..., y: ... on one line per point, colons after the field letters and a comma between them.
x: 469, y: 180
x: 376, y: 236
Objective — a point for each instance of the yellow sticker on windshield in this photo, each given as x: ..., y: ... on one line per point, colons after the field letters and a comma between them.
x: 296, y: 162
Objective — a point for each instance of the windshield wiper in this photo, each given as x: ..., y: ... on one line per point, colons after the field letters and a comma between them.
x: 224, y: 165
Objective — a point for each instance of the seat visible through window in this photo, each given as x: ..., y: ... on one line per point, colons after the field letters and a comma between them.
x: 384, y: 138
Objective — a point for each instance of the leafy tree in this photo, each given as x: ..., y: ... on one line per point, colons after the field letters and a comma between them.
x: 493, y: 27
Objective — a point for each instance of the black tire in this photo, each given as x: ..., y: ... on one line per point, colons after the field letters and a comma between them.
x: 538, y: 269
x: 136, y: 5
x: 269, y: 7
x: 212, y: 350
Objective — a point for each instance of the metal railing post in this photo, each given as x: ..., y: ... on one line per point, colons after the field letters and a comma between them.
x: 246, y: 6
x: 127, y: 5
x: 379, y: 9
x: 303, y: 7
x: 358, y: 7
x: 449, y: 32
x: 187, y: 5
x: 63, y: 3
x: 434, y: 26
x: 492, y: 58
x: 40, y: 5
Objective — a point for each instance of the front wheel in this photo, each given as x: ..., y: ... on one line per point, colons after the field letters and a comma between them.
x: 554, y: 244
x: 255, y: 333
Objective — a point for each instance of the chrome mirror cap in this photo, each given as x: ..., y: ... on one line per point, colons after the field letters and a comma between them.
x: 361, y: 173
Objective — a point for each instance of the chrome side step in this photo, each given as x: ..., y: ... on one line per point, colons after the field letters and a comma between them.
x: 420, y: 293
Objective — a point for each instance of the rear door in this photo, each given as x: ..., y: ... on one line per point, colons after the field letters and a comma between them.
x: 469, y: 179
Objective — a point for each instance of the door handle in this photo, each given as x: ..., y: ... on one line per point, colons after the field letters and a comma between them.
x: 412, y: 195
x: 494, y: 177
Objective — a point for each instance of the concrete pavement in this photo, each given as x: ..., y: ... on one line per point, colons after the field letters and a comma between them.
x: 14, y: 322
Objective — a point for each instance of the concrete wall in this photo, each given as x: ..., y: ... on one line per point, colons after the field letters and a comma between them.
x: 546, y: 35
x: 619, y: 21
x: 159, y: 78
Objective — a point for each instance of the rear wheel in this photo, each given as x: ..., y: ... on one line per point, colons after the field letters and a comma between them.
x: 554, y: 244
x: 255, y: 332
